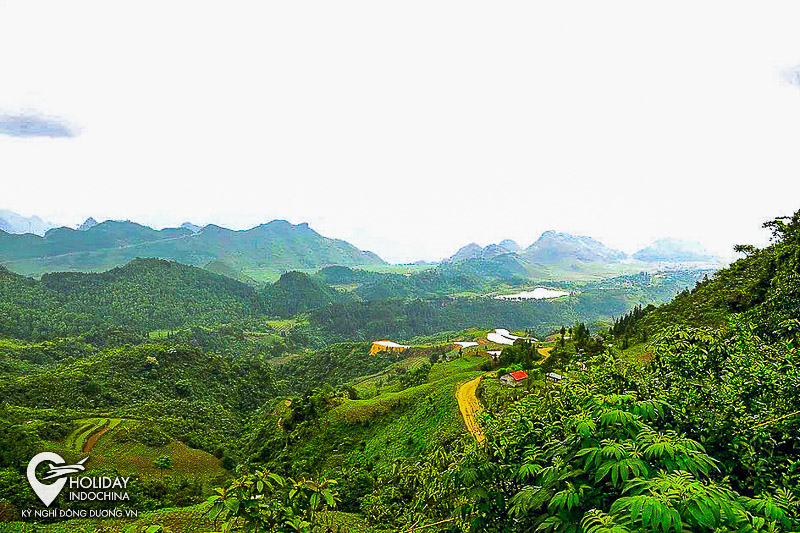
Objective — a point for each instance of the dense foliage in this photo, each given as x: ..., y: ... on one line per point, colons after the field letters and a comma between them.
x: 144, y: 295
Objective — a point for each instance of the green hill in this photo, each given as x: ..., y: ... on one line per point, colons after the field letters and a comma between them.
x: 342, y: 275
x: 154, y: 293
x: 508, y: 268
x: 144, y: 295
x: 296, y: 292
x: 357, y: 432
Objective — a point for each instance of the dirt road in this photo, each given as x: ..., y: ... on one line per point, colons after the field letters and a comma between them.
x: 469, y: 406
x: 92, y: 440
x: 545, y: 353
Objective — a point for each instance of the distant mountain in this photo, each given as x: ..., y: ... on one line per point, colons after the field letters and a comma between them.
x: 88, y: 224
x: 554, y: 256
x: 260, y: 252
x: 505, y: 267
x: 194, y: 228
x: 553, y: 248
x: 11, y: 222
x: 494, y: 250
x: 474, y: 251
x: 510, y: 245
x: 470, y: 251
x: 674, y: 250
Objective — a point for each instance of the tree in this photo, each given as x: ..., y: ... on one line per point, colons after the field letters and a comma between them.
x: 264, y: 501
x: 162, y: 463
x: 610, y: 467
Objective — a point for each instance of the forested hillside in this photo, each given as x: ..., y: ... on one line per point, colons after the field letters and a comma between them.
x: 764, y: 283
x: 296, y: 292
x: 338, y: 303
x: 594, y: 303
x: 144, y: 295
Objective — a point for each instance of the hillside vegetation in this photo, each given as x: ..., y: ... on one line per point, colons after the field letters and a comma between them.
x: 264, y: 401
x: 692, y: 426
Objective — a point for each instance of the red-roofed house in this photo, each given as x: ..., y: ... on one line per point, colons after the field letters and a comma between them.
x: 514, y: 379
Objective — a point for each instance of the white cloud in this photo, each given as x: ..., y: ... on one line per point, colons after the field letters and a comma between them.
x: 32, y: 125
x: 413, y: 128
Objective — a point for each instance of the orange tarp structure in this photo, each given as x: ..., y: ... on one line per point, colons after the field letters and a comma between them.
x: 386, y: 346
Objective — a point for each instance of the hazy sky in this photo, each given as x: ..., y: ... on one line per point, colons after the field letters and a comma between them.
x: 407, y: 128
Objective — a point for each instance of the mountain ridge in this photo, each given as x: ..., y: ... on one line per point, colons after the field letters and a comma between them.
x: 672, y: 249
x: 275, y: 246
x: 263, y: 252
x: 554, y: 247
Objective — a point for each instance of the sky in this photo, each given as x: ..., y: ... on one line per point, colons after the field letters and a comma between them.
x: 407, y: 128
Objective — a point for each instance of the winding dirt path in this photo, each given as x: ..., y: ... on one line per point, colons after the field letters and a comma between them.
x: 545, y: 353
x: 469, y: 406
x: 92, y: 440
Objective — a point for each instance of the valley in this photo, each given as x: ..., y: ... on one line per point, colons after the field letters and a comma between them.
x: 499, y: 397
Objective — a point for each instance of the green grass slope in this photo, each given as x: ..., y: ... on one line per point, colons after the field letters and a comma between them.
x: 371, y: 433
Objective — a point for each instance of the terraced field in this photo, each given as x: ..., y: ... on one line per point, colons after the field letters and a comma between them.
x: 131, y: 457
x: 112, y: 442
x: 89, y: 432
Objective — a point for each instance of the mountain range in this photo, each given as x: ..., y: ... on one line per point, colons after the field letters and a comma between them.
x: 263, y: 253
x: 674, y: 250
x: 554, y: 248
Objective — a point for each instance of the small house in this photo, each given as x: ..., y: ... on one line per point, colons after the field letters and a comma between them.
x: 514, y: 379
x: 554, y: 376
